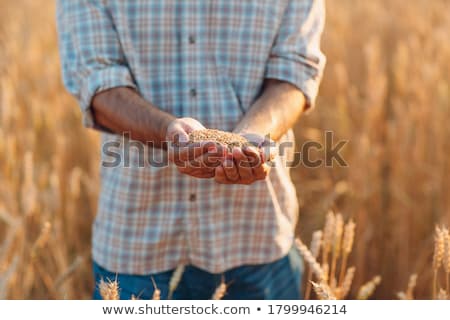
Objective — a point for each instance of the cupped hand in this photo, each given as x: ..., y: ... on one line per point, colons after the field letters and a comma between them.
x: 248, y: 164
x: 194, y: 159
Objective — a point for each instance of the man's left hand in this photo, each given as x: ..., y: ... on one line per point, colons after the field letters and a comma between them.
x: 248, y: 164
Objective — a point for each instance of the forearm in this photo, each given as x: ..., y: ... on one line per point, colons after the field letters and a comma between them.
x: 275, y: 112
x: 123, y: 110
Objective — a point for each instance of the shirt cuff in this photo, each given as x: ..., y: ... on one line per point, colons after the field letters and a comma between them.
x: 98, y: 81
x: 305, y: 78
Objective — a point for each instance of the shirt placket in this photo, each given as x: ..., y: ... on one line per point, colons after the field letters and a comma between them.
x: 191, y: 62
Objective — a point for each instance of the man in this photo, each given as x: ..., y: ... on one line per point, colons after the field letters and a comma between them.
x: 156, y: 70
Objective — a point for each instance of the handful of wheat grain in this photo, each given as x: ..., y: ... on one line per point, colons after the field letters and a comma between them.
x: 220, y: 137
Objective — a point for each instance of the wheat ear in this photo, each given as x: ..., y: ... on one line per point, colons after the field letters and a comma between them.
x: 156, y: 291
x: 323, y: 291
x: 315, y: 249
x: 446, y: 259
x: 337, y: 242
x: 220, y: 291
x: 309, y: 258
x: 411, y: 286
x: 442, y: 295
x: 347, y: 244
x: 109, y: 290
x: 439, y: 247
x: 347, y: 282
x: 328, y: 232
x: 368, y: 288
x: 175, y: 280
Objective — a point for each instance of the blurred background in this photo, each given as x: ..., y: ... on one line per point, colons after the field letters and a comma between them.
x: 385, y: 90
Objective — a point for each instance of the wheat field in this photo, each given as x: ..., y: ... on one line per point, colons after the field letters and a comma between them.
x: 386, y: 91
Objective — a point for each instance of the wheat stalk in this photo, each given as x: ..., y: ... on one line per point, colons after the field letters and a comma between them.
x: 175, y: 280
x: 368, y: 288
x: 315, y: 249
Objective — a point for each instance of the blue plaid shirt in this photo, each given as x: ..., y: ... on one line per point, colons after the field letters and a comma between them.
x: 207, y: 60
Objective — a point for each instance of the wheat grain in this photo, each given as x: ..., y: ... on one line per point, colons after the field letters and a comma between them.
x: 220, y: 137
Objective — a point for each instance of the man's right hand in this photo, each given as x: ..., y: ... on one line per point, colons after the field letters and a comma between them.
x: 198, y: 160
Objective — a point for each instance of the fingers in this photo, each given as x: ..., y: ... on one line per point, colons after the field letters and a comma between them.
x: 260, y: 169
x: 187, y: 152
x: 220, y: 176
x: 243, y: 166
x: 201, y: 167
x: 230, y: 170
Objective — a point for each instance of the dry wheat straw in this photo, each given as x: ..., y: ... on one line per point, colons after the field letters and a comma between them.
x: 175, y: 280
x: 315, y: 249
x: 368, y: 289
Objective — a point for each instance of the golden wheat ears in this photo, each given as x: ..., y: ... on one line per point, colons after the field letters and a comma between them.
x: 334, y: 278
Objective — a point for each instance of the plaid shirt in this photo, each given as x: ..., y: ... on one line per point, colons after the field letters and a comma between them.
x: 202, y: 59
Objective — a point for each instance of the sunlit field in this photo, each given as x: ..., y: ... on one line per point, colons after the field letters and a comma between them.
x: 386, y: 90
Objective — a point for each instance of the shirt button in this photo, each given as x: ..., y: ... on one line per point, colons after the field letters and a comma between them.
x: 192, y: 39
x: 193, y: 93
x: 192, y: 197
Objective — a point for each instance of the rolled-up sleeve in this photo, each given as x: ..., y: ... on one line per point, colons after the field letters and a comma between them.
x: 296, y: 56
x: 92, y: 58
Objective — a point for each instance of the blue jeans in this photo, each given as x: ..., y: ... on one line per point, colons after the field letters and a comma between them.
x: 272, y: 281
